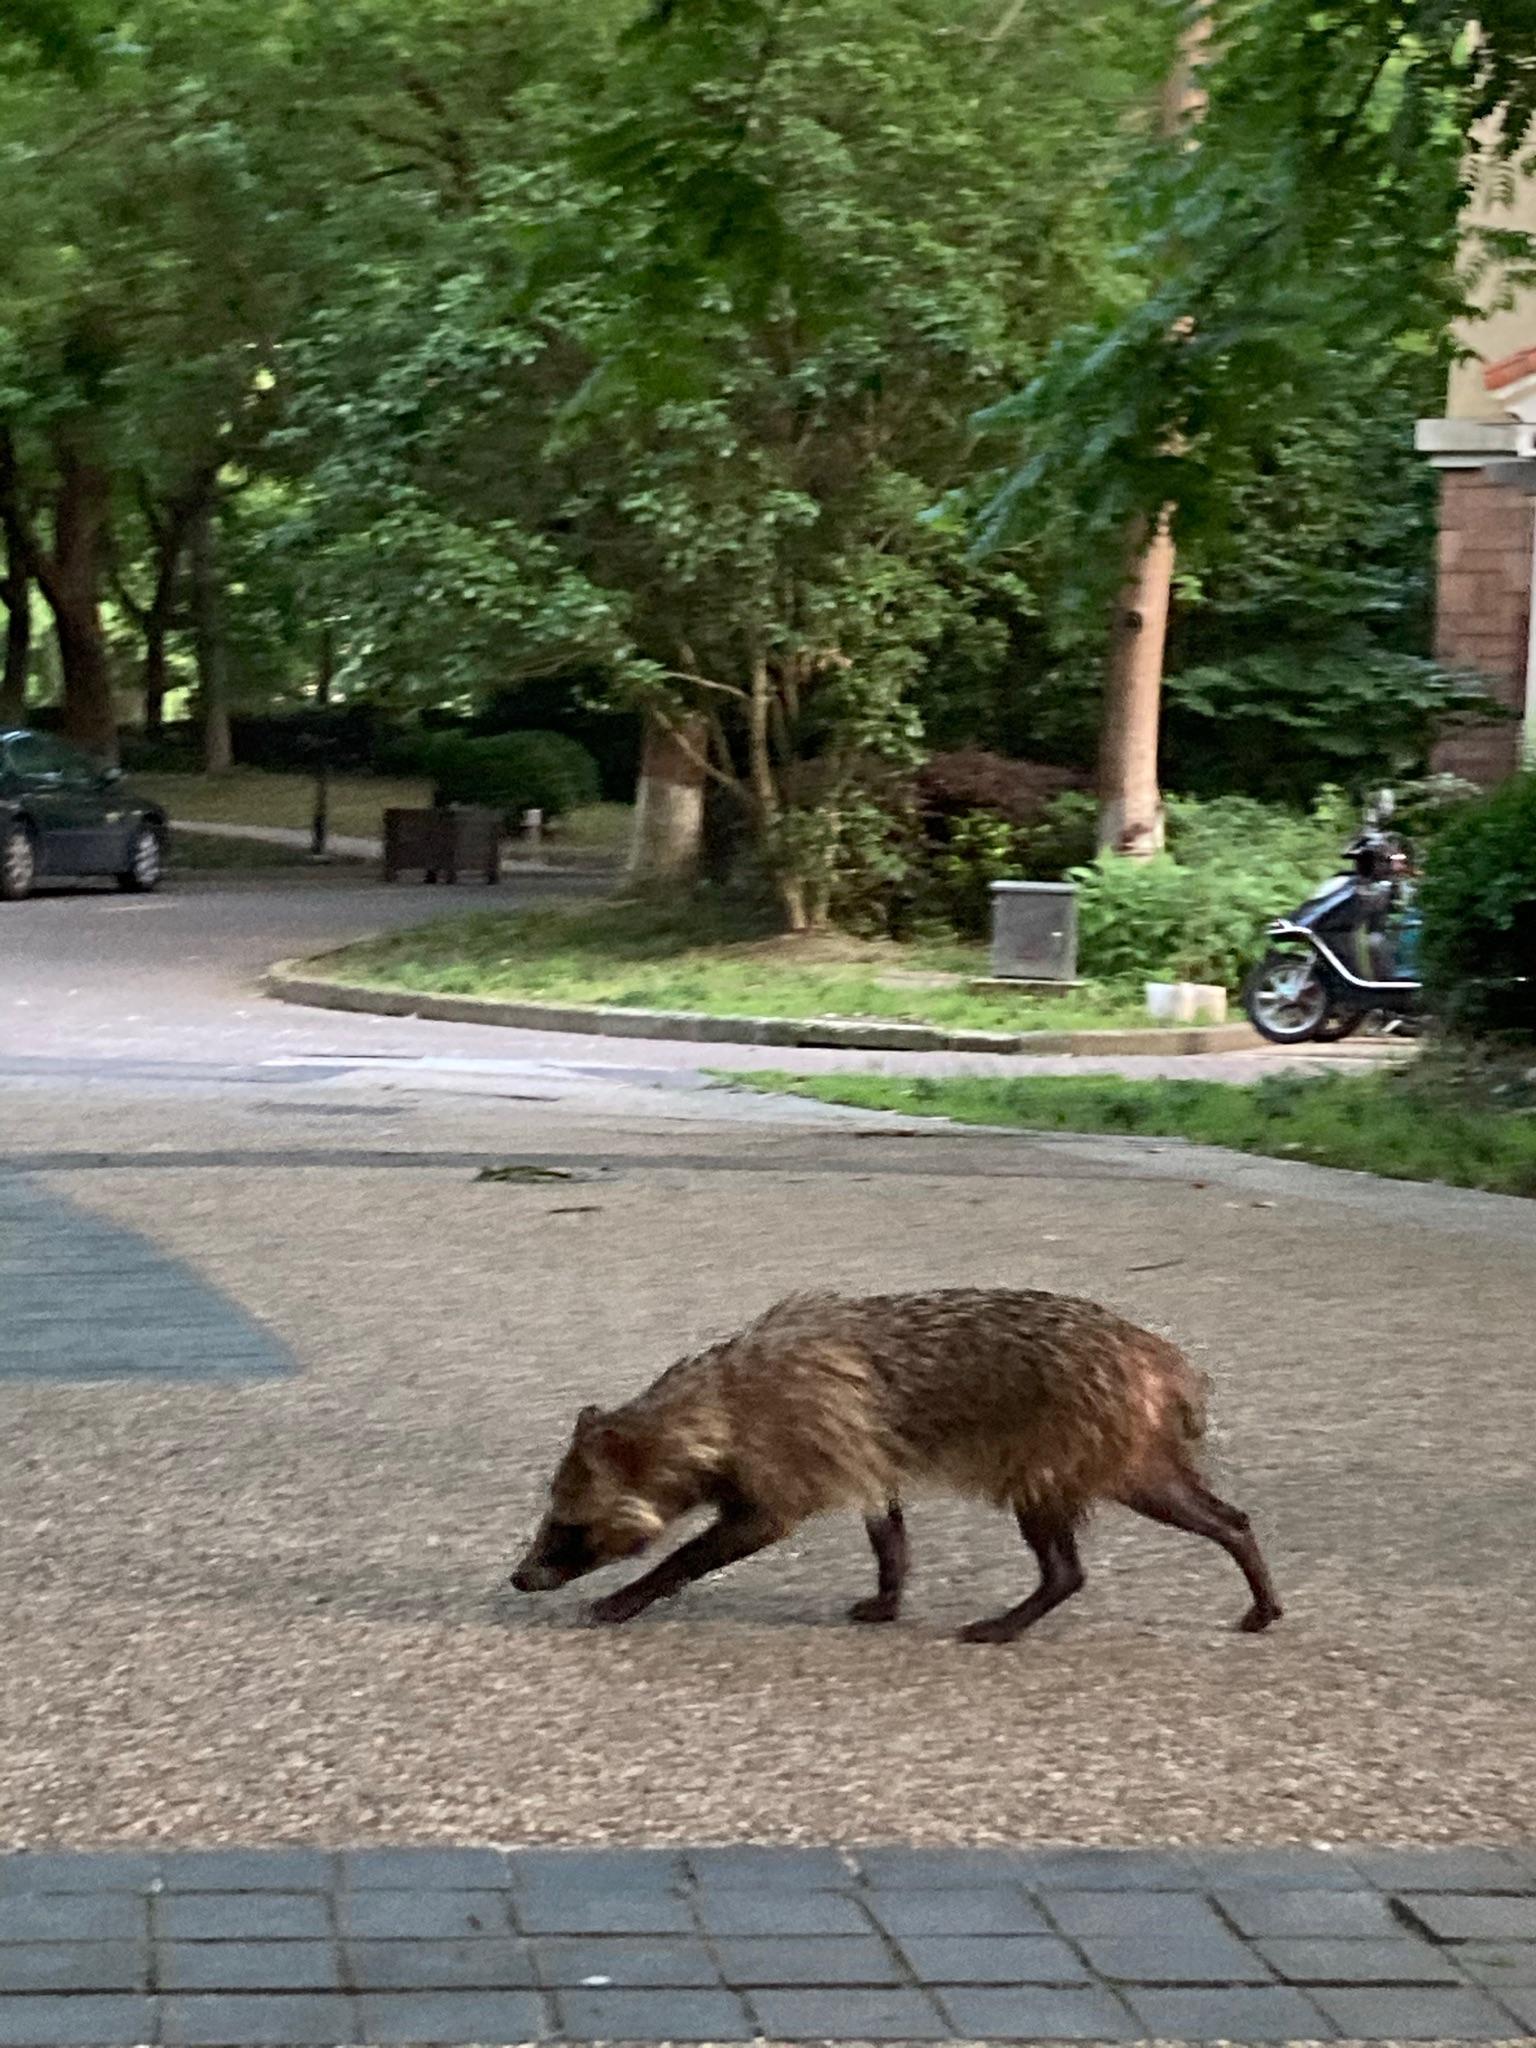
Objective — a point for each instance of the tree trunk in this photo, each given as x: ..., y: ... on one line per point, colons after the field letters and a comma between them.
x: 320, y: 822
x: 15, y: 592
x: 72, y: 585
x: 17, y: 597
x: 157, y: 622
x: 209, y: 639
x: 1130, y: 798
x: 669, y: 805
x: 155, y: 678
x: 1130, y: 801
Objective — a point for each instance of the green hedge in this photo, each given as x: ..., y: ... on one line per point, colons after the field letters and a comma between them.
x: 514, y: 772
x: 1480, y: 914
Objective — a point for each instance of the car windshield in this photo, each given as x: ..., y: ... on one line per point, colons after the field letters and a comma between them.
x: 37, y: 755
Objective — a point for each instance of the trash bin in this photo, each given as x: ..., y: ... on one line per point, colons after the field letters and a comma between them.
x: 1034, y: 931
x: 443, y: 843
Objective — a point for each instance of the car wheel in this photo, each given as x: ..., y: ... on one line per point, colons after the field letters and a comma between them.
x: 146, y: 862
x: 18, y: 864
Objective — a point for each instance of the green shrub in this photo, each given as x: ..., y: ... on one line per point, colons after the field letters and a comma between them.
x: 176, y: 751
x: 514, y: 772
x: 1480, y: 914
x: 1198, y: 911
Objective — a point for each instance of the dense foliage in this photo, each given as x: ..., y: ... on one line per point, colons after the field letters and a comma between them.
x: 419, y: 355
x: 513, y: 772
x: 1480, y: 913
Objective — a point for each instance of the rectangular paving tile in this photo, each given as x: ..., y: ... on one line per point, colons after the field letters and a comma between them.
x: 630, y: 2015
x: 87, y: 2022
x: 608, y: 1870
x: 993, y: 1959
x: 72, y: 1916
x: 847, y: 1959
x: 1277, y: 1869
x: 1232, y: 2013
x: 425, y: 1869
x: 849, y: 2015
x: 1202, y: 1959
x: 999, y: 1910
x: 1033, y: 2013
x: 749, y: 1868
x: 1522, y: 2003
x: 599, y: 1962
x: 482, y: 1965
x: 1161, y: 1913
x: 424, y: 1916
x: 248, y: 1966
x: 1498, y: 1962
x: 258, y: 2019
x: 484, y: 2017
x: 1109, y: 1869
x: 894, y: 1869
x: 1359, y: 1962
x: 780, y: 1912
x: 1323, y: 1913
x: 78, y: 1870
x: 1471, y: 1917
x: 1443, y: 1870
x: 242, y: 1916
x: 1387, y: 2014
x: 74, y: 1966
x: 580, y: 1912
x: 247, y: 1870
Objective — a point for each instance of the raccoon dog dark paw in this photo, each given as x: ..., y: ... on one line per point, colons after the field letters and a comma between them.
x: 614, y: 1608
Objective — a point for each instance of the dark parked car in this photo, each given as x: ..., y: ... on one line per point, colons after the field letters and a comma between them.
x: 61, y: 814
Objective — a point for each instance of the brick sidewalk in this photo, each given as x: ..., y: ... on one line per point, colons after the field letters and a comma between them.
x: 81, y: 1299
x: 299, y: 1946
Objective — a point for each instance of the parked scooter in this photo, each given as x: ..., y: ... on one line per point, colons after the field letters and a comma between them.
x: 1349, y: 954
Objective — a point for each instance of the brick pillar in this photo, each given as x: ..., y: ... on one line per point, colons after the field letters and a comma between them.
x: 1483, y: 612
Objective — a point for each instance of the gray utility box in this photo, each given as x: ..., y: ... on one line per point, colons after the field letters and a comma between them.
x: 1034, y: 931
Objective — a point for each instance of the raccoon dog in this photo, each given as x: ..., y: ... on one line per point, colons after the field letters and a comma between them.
x: 1032, y: 1401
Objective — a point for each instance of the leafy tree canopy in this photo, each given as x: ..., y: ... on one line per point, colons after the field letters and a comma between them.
x: 1301, y: 251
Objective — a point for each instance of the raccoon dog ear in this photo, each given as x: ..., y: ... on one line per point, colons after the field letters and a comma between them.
x: 620, y: 1449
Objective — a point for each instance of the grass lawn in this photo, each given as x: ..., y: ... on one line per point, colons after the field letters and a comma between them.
x: 202, y: 853
x: 249, y: 796
x: 199, y: 853
x: 1385, y: 1123
x: 645, y: 956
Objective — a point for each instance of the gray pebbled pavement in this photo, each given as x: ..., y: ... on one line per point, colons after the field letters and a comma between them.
x: 269, y: 1610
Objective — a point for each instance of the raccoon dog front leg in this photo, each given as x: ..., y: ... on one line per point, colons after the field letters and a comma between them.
x: 739, y: 1533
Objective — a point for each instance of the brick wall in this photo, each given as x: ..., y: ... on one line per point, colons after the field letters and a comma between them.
x: 1483, y: 610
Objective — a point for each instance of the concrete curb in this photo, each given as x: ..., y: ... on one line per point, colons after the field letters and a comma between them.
x: 289, y: 983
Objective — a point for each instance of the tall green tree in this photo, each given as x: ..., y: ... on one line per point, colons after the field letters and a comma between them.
x: 675, y: 387
x: 1315, y: 234
x: 1310, y: 252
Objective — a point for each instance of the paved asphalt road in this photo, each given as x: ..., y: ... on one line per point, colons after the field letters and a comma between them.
x: 166, y: 987
x: 269, y: 1604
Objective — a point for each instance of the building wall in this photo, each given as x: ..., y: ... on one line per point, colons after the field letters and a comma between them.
x: 1483, y: 610
x: 1509, y: 202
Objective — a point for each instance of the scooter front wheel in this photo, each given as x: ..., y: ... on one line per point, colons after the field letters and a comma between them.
x: 1286, y: 999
